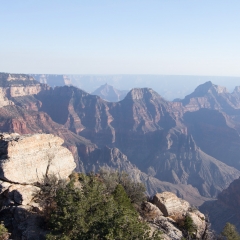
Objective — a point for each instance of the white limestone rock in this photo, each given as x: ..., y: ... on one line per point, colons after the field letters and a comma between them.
x: 170, y: 205
x: 28, y: 159
x: 151, y: 212
x: 4, y: 186
x: 165, y: 225
x: 199, y: 221
x: 22, y: 194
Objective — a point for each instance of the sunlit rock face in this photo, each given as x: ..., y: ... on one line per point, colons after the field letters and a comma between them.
x: 173, y: 211
x: 33, y: 157
x: 170, y: 204
x: 52, y: 80
x: 25, y: 161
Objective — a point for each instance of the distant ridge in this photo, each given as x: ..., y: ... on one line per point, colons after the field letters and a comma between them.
x: 53, y: 80
x: 225, y: 208
x: 109, y: 93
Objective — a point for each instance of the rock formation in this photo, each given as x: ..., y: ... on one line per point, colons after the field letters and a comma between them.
x: 192, y: 144
x: 164, y: 140
x: 24, y: 162
x: 109, y: 93
x: 170, y: 204
x: 16, y: 85
x: 226, y: 208
x: 52, y: 80
x: 33, y: 157
x: 170, y: 218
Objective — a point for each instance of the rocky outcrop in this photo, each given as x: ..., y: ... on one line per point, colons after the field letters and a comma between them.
x: 4, y: 101
x: 49, y: 158
x: 20, y: 194
x: 19, y: 119
x: 199, y: 220
x: 173, y: 212
x: 170, y: 205
x: 168, y: 228
x: 17, y: 85
x: 25, y: 160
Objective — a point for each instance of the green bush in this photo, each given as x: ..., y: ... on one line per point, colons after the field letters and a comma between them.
x: 4, y: 235
x: 136, y: 191
x: 46, y: 197
x: 189, y: 226
x: 230, y: 232
x: 91, y: 212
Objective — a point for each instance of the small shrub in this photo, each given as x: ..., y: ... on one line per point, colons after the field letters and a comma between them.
x: 189, y: 226
x: 135, y: 190
x: 46, y: 197
x: 4, y: 235
x: 230, y: 232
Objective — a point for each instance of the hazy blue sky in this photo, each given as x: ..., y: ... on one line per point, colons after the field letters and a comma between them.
x: 191, y: 37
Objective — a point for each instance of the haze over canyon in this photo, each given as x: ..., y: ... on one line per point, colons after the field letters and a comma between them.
x: 189, y: 146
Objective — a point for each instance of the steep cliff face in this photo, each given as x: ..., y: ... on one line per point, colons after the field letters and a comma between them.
x: 52, y: 80
x: 79, y: 112
x: 225, y: 208
x: 212, y: 96
x: 16, y: 85
x: 168, y: 141
x: 154, y: 134
x: 214, y: 135
x: 113, y: 158
x: 179, y: 160
x: 142, y: 111
x: 22, y: 121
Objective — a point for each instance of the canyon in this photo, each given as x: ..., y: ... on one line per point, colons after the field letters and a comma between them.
x: 41, y: 157
x: 189, y: 146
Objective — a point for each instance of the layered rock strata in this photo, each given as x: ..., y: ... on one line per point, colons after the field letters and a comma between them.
x: 25, y: 160
x: 33, y: 157
x: 170, y: 218
x: 52, y: 80
x: 170, y: 204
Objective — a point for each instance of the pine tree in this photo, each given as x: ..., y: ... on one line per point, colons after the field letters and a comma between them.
x: 230, y: 232
x: 90, y: 212
x: 189, y: 226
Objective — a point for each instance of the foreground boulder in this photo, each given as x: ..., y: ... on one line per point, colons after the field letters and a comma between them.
x: 170, y: 204
x: 25, y: 161
x: 171, y: 218
x: 28, y: 159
